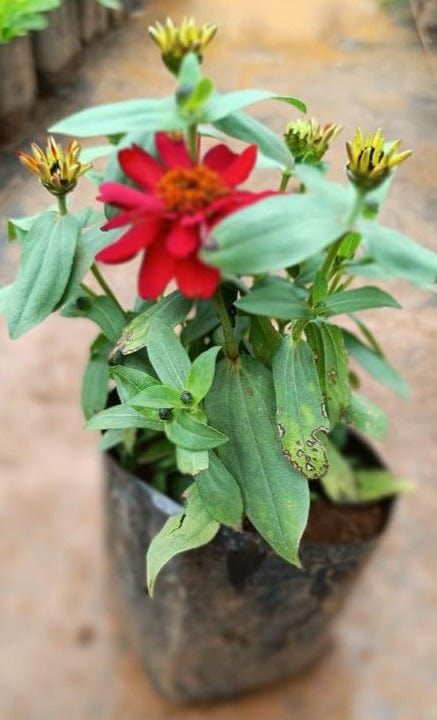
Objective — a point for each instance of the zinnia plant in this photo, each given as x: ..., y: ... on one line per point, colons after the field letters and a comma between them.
x: 228, y: 384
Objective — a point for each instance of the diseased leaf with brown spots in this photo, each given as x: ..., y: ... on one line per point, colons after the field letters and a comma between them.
x: 327, y: 344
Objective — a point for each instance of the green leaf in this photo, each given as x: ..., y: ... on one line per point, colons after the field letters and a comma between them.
x: 349, y: 245
x: 167, y: 354
x: 171, y: 309
x: 265, y: 340
x: 274, y: 233
x: 191, y: 462
x: 363, y: 298
x: 319, y: 290
x: 189, y: 72
x: 18, y: 227
x: 301, y: 414
x: 157, y: 396
x: 44, y: 271
x: 88, y: 245
x: 130, y: 381
x: 278, y: 299
x: 110, y: 439
x: 123, y: 416
x: 203, y: 322
x: 375, y: 365
x: 4, y: 295
x: 326, y: 342
x: 225, y: 104
x: 276, y: 497
x: 89, y: 154
x: 191, y: 529
x: 220, y: 493
x: 398, y: 256
x: 94, y: 392
x: 367, y: 416
x: 195, y: 101
x: 192, y: 434
x: 106, y: 313
x: 136, y: 115
x: 339, y: 482
x: 201, y: 374
x: 374, y: 485
x: 242, y: 126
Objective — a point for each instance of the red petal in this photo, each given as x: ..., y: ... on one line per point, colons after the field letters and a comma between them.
x: 240, y: 168
x: 182, y: 241
x: 156, y: 271
x: 127, y: 197
x: 195, y: 279
x: 219, y: 158
x: 172, y: 151
x: 140, y: 167
x: 135, y: 239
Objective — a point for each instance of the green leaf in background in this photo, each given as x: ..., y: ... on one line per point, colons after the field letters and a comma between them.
x: 376, y: 484
x: 192, y: 434
x: 130, y: 381
x: 157, y: 396
x: 137, y: 115
x: 375, y: 365
x: 278, y: 299
x: 19, y: 227
x: 111, y: 4
x: 191, y: 529
x: 398, y: 256
x: 110, y: 439
x: 274, y: 233
x: 201, y: 374
x: 94, y: 392
x: 191, y: 462
x: 339, y: 482
x: 123, y: 416
x: 367, y: 416
x: 363, y: 298
x: 167, y: 355
x: 225, y: 104
x: 220, y: 493
x: 301, y: 413
x: 264, y: 339
x: 171, y: 310
x: 326, y: 342
x: 349, y: 245
x: 44, y: 271
x: 204, y: 322
x: 276, y: 497
x: 243, y: 127
x: 104, y: 311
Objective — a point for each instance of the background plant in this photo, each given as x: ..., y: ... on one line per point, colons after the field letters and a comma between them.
x: 18, y: 17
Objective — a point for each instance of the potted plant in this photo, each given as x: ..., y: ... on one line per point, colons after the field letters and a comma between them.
x: 233, y: 429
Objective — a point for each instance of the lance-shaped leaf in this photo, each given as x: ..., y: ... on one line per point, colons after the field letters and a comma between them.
x: 326, y: 342
x: 130, y: 381
x: 220, y: 493
x: 203, y: 322
x: 301, y: 412
x: 201, y: 374
x: 375, y: 365
x: 244, y: 127
x: 276, y: 232
x: 167, y: 355
x: 339, y: 482
x: 102, y: 310
x: 363, y: 298
x: 264, y: 339
x: 191, y: 462
x: 276, y: 497
x: 158, y: 396
x: 278, y: 299
x: 94, y: 392
x: 367, y: 416
x: 44, y: 271
x: 191, y: 529
x: 171, y: 309
x: 223, y: 104
x: 124, y: 416
x: 374, y: 485
x: 188, y: 432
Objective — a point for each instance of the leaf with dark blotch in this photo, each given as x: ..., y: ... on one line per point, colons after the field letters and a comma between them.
x: 326, y: 342
x: 301, y: 414
x: 276, y: 497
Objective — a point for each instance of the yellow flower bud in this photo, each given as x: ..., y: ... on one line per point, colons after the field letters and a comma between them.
x: 370, y: 162
x: 58, y: 170
x: 175, y: 42
x: 308, y: 141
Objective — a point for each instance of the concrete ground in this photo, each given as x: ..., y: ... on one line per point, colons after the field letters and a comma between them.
x: 61, y: 656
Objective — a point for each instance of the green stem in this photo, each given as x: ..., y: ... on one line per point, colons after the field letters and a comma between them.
x: 286, y: 175
x: 231, y: 343
x: 192, y: 142
x: 62, y: 205
x: 104, y: 285
x: 88, y: 290
x: 350, y: 222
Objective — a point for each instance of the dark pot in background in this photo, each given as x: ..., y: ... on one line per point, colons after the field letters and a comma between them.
x: 56, y: 47
x: 93, y: 19
x: 18, y: 86
x: 231, y: 616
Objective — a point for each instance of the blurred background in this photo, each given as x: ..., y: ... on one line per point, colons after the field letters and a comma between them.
x: 355, y: 62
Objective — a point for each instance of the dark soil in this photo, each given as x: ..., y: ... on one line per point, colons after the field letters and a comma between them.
x: 331, y: 524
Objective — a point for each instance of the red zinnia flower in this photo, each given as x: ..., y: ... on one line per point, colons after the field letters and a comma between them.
x: 177, y: 204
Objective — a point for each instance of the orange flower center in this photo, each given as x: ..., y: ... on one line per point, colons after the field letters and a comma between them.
x: 188, y: 190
